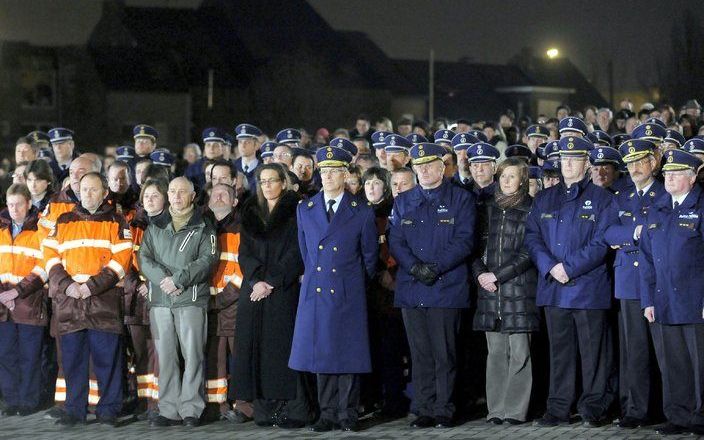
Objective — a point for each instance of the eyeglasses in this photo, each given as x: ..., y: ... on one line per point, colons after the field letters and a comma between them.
x: 281, y: 155
x: 265, y: 182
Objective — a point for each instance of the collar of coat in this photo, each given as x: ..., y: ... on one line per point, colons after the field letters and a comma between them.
x: 105, y: 208
x: 163, y: 220
x: 30, y: 221
x: 416, y: 196
x: 253, y: 222
x: 689, y: 202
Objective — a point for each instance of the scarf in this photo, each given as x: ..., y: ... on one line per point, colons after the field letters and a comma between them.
x: 509, y: 201
x: 180, y: 220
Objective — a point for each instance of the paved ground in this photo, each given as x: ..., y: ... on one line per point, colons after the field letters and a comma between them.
x: 35, y: 427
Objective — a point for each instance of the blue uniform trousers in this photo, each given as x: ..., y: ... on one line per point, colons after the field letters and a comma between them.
x: 105, y: 351
x: 573, y: 334
x: 680, y: 352
x: 20, y: 372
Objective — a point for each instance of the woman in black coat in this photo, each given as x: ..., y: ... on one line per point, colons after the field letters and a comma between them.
x: 506, y: 308
x: 271, y: 263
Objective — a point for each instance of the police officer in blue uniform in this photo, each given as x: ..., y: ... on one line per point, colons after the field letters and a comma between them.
x: 634, y: 203
x: 460, y: 143
x: 338, y: 240
x: 145, y: 139
x: 654, y: 133
x: 572, y: 127
x: 482, y: 159
x: 672, y: 275
x: 443, y: 137
x: 605, y: 168
x: 431, y: 234
x: 695, y: 146
x: 248, y: 146
x: 267, y: 151
x: 64, y: 149
x: 565, y: 237
x: 213, y: 149
x: 536, y: 135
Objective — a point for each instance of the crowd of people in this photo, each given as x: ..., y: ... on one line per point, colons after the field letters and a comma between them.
x: 299, y: 281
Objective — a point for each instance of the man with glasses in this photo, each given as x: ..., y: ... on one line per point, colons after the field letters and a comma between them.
x: 283, y: 155
x: 634, y: 203
x: 565, y: 237
x: 338, y: 240
x: 431, y: 234
x: 672, y: 242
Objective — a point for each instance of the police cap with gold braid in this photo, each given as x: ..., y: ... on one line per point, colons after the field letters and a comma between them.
x: 426, y: 152
x: 677, y: 160
x: 635, y: 149
x: 333, y: 157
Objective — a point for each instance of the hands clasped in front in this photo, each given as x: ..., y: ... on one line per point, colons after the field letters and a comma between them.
x: 7, y: 298
x: 426, y: 273
x: 78, y: 291
x: 261, y: 290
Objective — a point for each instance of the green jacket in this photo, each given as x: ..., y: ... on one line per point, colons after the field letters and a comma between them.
x: 189, y: 256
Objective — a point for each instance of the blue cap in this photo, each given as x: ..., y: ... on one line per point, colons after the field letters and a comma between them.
x: 551, y: 165
x: 213, y: 134
x: 59, y: 134
x: 675, y: 137
x: 651, y: 132
x: 482, y: 152
x: 333, y: 157
x: 571, y: 123
x: 538, y: 131
x: 228, y: 139
x: 397, y: 144
x: 345, y: 144
x: 162, y: 158
x: 479, y: 135
x: 621, y: 138
x: 676, y: 160
x: 124, y: 153
x: 535, y: 172
x: 45, y: 153
x: 518, y: 150
x: 635, y: 149
x: 417, y: 138
x: 267, y: 149
x: 655, y: 121
x: 599, y: 137
x: 552, y: 150
x: 39, y: 136
x: 462, y: 141
x: 246, y: 131
x: 694, y: 145
x: 379, y: 138
x: 444, y: 136
x: 147, y: 131
x: 605, y: 155
x: 571, y: 146
x: 288, y: 136
x: 425, y: 152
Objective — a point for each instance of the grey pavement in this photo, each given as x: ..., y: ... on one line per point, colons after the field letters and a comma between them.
x: 36, y: 427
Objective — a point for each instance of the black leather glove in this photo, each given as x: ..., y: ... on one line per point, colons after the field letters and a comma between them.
x: 425, y: 273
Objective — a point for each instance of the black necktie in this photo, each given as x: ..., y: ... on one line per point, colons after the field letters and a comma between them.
x: 331, y: 212
x: 676, y: 205
x: 246, y: 168
x: 640, y: 193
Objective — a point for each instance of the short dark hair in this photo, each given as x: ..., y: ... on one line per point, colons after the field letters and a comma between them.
x: 103, y: 180
x: 41, y: 170
x: 161, y: 185
x: 18, y: 189
x: 382, y: 174
x: 363, y: 117
x: 223, y: 163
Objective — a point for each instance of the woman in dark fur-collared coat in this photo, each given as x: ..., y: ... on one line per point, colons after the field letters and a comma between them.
x: 506, y: 308
x: 271, y: 265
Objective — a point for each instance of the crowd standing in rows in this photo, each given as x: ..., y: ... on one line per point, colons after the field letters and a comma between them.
x: 296, y: 280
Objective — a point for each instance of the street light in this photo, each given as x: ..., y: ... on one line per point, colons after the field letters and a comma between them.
x: 552, y: 53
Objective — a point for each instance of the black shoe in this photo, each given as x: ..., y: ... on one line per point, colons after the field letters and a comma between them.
x: 162, y: 422
x: 495, y: 421
x: 511, y: 421
x: 671, y: 429
x: 191, y: 422
x: 68, y: 421
x: 443, y: 422
x: 630, y: 423
x: 108, y: 420
x: 549, y: 420
x: 349, y: 426
x: 54, y: 413
x: 286, y: 423
x: 25, y: 411
x: 11, y: 411
x: 697, y: 429
x: 423, y: 422
x: 323, y: 425
x: 241, y: 417
x: 593, y: 423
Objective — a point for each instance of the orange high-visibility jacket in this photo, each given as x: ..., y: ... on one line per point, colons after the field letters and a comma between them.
x: 227, y: 279
x: 22, y: 268
x: 92, y: 249
x: 59, y: 204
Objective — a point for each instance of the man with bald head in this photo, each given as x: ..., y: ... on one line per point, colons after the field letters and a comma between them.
x: 177, y: 255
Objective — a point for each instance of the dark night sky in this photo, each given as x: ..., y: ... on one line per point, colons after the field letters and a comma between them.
x: 635, y: 34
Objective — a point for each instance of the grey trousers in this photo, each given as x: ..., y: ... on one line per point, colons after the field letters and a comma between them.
x: 184, y: 328
x: 509, y: 375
